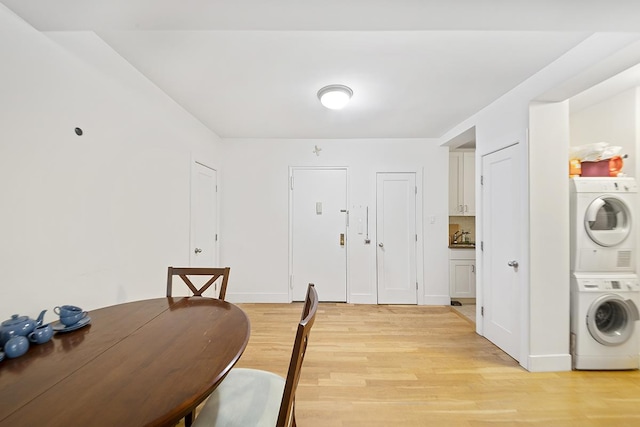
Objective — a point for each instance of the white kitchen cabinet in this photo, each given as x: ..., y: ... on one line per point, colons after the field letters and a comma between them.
x: 462, y: 273
x: 462, y: 185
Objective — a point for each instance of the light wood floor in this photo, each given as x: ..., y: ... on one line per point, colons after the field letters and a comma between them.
x: 466, y: 310
x: 369, y: 365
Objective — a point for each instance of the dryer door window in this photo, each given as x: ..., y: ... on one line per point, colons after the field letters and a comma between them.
x: 611, y: 319
x: 607, y: 221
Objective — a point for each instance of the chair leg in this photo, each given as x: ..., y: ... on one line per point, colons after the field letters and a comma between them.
x: 188, y: 419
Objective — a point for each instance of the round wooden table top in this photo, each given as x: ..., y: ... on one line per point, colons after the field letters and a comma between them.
x: 143, y: 363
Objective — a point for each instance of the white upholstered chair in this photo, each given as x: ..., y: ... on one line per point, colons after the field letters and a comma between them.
x: 256, y: 398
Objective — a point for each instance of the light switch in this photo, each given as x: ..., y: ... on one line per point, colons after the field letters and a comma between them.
x: 318, y: 208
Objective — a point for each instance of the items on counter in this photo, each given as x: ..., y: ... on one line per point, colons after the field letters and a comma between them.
x: 598, y: 159
x: 458, y: 236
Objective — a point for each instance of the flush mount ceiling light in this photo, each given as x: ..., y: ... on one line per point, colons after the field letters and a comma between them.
x: 335, y: 97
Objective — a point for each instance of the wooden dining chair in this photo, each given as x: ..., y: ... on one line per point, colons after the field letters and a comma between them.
x: 256, y: 398
x: 185, y: 272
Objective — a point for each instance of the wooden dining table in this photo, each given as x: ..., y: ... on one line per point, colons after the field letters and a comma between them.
x: 142, y: 363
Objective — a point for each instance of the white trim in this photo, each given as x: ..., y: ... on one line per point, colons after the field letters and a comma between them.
x: 419, y: 229
x: 360, y: 298
x: 205, y: 165
x: 437, y: 300
x: 249, y: 297
x: 525, y: 239
x: 420, y: 233
x: 548, y: 363
x: 193, y: 171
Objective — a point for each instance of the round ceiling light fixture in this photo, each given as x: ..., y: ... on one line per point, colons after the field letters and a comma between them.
x: 335, y: 97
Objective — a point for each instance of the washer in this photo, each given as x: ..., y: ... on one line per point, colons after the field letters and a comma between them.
x: 605, y: 334
x: 602, y: 216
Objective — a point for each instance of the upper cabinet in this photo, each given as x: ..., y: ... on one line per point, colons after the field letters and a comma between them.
x: 462, y: 184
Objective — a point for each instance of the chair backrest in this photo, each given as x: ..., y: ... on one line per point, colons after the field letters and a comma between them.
x: 184, y: 272
x: 309, y: 310
x: 309, y: 301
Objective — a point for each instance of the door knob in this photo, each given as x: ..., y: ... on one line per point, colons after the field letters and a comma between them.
x: 197, y: 250
x: 513, y: 264
x: 381, y: 244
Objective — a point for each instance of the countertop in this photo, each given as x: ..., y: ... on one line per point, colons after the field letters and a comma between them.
x: 462, y: 246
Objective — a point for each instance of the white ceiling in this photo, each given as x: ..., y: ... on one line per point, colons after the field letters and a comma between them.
x: 251, y: 68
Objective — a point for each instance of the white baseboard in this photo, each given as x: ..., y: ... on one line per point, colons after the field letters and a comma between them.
x: 363, y: 299
x: 250, y: 297
x: 548, y: 363
x: 437, y: 300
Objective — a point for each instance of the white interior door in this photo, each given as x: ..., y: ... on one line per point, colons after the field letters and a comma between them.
x: 501, y: 222
x: 396, y: 238
x: 319, y: 233
x: 204, y: 217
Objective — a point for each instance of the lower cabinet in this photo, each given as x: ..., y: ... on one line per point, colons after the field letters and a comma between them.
x: 462, y: 278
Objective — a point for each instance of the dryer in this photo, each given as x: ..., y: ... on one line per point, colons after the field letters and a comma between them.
x: 605, y: 334
x: 602, y: 218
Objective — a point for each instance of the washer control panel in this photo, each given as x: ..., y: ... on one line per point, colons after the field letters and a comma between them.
x: 621, y: 285
x: 608, y: 284
x: 604, y: 185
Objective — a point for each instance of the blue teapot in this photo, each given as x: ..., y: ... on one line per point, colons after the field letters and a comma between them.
x: 19, y: 326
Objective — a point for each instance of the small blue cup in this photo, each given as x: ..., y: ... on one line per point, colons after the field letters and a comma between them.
x: 73, y: 319
x: 66, y: 310
x: 41, y: 334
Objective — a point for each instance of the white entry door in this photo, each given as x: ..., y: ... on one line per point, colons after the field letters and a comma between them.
x: 318, y: 224
x: 501, y: 234
x: 204, y: 216
x: 396, y: 238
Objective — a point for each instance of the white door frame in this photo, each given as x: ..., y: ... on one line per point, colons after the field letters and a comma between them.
x: 290, y: 226
x: 216, y: 243
x: 419, y: 230
x: 522, y: 140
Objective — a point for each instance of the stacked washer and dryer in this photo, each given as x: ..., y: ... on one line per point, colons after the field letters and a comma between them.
x: 605, y: 291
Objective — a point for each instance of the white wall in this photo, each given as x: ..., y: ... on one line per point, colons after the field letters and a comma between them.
x: 614, y: 121
x: 90, y: 220
x: 255, y: 211
x: 549, y: 228
x: 637, y: 145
